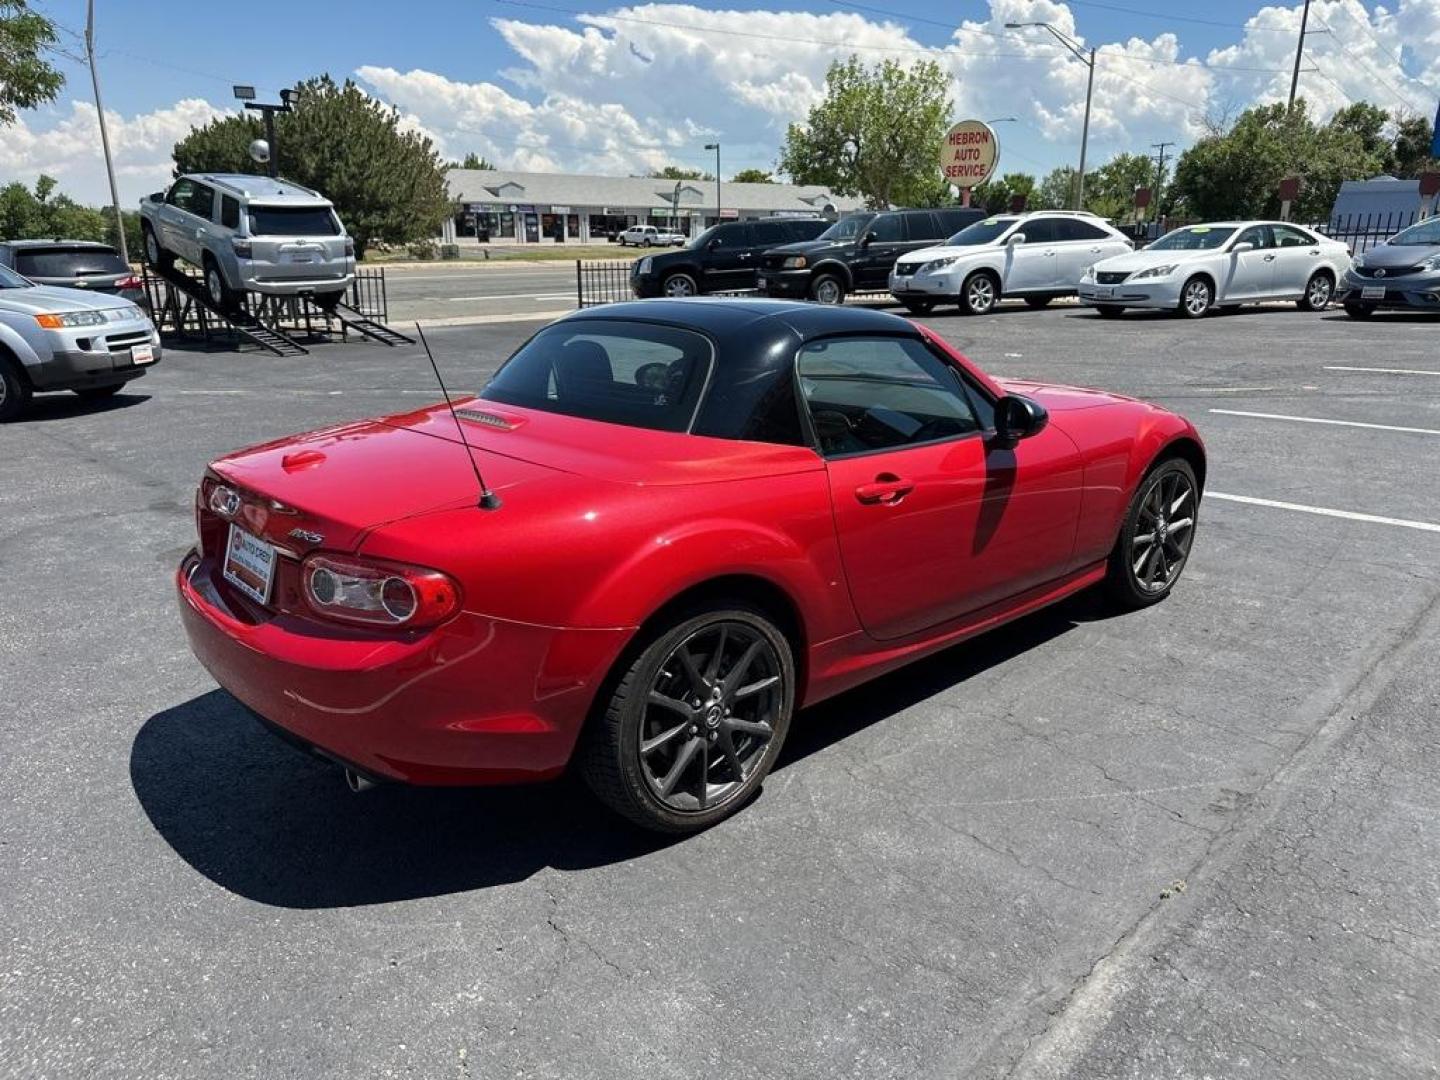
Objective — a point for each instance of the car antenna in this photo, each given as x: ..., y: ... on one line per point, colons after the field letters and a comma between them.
x: 488, y: 499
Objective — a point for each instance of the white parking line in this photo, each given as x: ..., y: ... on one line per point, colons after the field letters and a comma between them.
x: 1325, y: 511
x: 1322, y: 420
x: 1382, y: 370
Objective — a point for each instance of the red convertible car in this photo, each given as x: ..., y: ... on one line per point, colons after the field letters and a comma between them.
x: 699, y: 516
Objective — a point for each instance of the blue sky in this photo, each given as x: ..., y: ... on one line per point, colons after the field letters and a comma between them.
x: 532, y: 85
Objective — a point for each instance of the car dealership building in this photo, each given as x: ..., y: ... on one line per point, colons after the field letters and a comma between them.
x: 496, y: 206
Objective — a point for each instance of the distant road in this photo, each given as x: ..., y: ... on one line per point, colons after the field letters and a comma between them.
x: 433, y: 293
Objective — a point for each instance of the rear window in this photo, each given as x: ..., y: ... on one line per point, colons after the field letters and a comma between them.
x: 293, y: 221
x: 69, y: 262
x: 621, y: 373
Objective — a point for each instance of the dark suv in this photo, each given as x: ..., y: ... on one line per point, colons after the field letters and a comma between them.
x: 856, y: 253
x: 720, y: 259
x: 73, y: 264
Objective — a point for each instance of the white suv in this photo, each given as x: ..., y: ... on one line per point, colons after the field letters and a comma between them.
x: 650, y: 236
x: 1037, y: 256
x: 250, y: 234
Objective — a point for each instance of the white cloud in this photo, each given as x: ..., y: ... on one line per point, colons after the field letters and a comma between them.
x: 69, y: 149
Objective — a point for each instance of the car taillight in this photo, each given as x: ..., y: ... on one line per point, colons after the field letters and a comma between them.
x: 131, y: 282
x: 349, y: 247
x: 378, y: 593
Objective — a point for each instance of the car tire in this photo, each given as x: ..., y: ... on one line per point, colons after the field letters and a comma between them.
x: 827, y: 289
x: 1109, y: 311
x: 216, y: 288
x: 1038, y: 301
x: 327, y: 302
x: 99, y: 393
x: 1359, y: 311
x: 1319, y: 291
x: 980, y: 293
x: 1168, y: 495
x: 646, y: 242
x: 1197, y: 297
x: 679, y: 284
x: 919, y: 307
x: 660, y: 775
x: 155, y: 255
x: 14, y: 390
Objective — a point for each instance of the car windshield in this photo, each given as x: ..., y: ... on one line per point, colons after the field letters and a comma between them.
x: 982, y: 232
x: 639, y: 374
x: 293, y: 221
x: 11, y: 280
x: 703, y: 239
x: 69, y: 262
x: 1425, y: 234
x: 848, y: 229
x: 1194, y: 238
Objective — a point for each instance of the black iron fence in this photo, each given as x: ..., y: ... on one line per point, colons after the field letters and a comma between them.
x: 367, y: 293
x: 1361, y: 232
x: 601, y: 281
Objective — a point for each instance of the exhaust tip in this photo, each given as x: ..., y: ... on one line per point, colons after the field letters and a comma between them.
x: 357, y: 783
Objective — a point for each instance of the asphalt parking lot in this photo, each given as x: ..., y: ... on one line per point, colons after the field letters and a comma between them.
x: 1195, y: 841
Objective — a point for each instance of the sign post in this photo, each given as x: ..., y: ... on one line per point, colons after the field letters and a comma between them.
x: 969, y: 155
x: 1289, y: 192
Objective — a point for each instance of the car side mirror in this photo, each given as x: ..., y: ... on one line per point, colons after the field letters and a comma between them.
x: 1244, y: 245
x: 157, y: 196
x: 1015, y: 238
x: 868, y: 239
x: 1017, y: 418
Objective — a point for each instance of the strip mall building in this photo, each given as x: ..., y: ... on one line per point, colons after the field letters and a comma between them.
x: 496, y: 206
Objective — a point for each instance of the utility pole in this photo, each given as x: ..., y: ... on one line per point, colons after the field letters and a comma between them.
x: 104, y: 132
x: 716, y: 147
x: 1159, y: 172
x: 1089, y: 61
x: 1299, y: 52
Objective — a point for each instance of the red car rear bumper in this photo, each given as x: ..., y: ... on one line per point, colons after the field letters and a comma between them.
x: 476, y: 701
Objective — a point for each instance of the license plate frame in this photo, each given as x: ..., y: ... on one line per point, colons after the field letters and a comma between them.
x: 142, y: 354
x: 1105, y: 290
x: 1372, y: 292
x: 249, y: 564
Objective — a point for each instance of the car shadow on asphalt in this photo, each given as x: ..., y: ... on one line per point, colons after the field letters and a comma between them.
x: 279, y: 827
x: 44, y: 408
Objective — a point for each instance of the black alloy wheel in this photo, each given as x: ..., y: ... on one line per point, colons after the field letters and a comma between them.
x: 695, y: 723
x: 1155, y: 541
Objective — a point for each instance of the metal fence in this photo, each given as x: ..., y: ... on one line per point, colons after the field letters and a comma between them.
x: 367, y: 293
x: 1361, y: 232
x: 601, y: 281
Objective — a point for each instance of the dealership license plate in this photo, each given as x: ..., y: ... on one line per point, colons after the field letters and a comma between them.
x: 142, y: 354
x: 249, y: 564
x: 1104, y: 290
x: 1373, y: 292
x: 761, y: 281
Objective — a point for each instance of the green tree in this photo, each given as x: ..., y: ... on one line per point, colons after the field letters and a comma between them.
x: 1409, y: 152
x: 387, y: 184
x: 472, y: 161
x: 1237, y: 173
x: 1110, y: 189
x: 44, y: 214
x: 679, y: 172
x: 995, y: 196
x: 1057, y: 190
x: 876, y: 134
x: 27, y: 79
x: 753, y: 176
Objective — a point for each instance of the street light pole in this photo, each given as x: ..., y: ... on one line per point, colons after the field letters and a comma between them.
x: 1088, y: 59
x: 716, y: 147
x: 104, y: 131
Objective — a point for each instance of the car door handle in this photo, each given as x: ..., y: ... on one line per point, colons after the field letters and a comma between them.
x: 1094, y: 251
x: 887, y: 490
x: 1269, y: 258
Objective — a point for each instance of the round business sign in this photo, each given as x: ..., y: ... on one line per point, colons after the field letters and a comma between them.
x: 970, y: 153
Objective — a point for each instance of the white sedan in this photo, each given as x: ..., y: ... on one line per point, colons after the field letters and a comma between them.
x: 1222, y: 264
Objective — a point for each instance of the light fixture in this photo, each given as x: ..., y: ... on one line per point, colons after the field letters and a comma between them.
x: 244, y: 93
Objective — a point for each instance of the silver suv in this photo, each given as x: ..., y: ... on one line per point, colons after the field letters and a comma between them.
x: 68, y: 339
x: 250, y: 234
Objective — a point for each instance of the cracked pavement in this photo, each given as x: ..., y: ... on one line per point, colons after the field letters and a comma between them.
x: 966, y: 869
